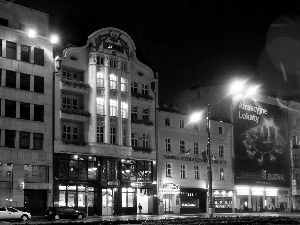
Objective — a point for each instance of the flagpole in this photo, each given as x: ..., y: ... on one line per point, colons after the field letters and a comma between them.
x: 209, y: 171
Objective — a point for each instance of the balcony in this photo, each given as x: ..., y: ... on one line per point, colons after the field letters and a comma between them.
x: 75, y: 115
x: 74, y: 142
x: 142, y: 97
x: 74, y: 85
x: 141, y: 149
x: 143, y: 122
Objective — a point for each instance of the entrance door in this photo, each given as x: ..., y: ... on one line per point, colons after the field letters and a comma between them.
x: 35, y: 201
x: 168, y: 203
x: 107, y: 202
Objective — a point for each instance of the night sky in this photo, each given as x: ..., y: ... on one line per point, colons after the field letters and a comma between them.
x: 197, y: 42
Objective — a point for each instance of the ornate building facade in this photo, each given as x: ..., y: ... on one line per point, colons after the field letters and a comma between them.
x: 105, y: 138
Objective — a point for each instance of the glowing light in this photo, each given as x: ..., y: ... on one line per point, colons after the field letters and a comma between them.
x: 31, y: 33
x: 237, y: 86
x: 252, y: 90
x: 54, y: 39
x: 195, y: 117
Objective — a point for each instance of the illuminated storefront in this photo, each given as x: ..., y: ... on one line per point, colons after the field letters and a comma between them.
x: 223, y: 201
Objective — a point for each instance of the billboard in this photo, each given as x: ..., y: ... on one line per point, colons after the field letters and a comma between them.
x: 261, y: 144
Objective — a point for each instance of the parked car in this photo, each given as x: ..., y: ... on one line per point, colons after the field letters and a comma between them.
x: 63, y: 213
x: 10, y: 213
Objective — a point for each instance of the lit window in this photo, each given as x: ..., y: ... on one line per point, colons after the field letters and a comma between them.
x: 123, y: 84
x: 100, y: 106
x: 100, y: 79
x: 182, y: 171
x: 222, y: 176
x: 113, y: 107
x: 113, y: 81
x: 124, y: 110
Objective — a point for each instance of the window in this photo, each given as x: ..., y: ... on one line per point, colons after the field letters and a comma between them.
x: 196, y: 127
x: 128, y: 170
x: 10, y: 138
x: 145, y: 141
x: 134, y: 139
x: 168, y: 169
x: 0, y: 40
x: 196, y: 170
x: 10, y: 108
x: 70, y: 103
x: 100, y: 134
x: 113, y: 135
x: 221, y: 151
x: 124, y: 110
x: 38, y: 84
x: 11, y: 79
x: 295, y: 159
x: 25, y: 82
x: 182, y: 171
x: 113, y: 82
x: 100, y: 61
x: 222, y: 177
x: 36, y: 174
x: 109, y: 169
x: 75, y: 133
x: 11, y: 50
x: 24, y: 111
x: 220, y: 130
x: 100, y: 106
x: 144, y: 171
x: 145, y: 114
x: 181, y: 123
x: 182, y: 146
x: 25, y: 53
x: 167, y: 122
x: 24, y: 140
x: 38, y: 140
x: 145, y: 89
x: 196, y: 148
x: 168, y: 144
x: 39, y: 113
x: 128, y: 197
x: 66, y: 132
x: 66, y: 75
x: 100, y: 79
x: 123, y: 84
x: 134, y: 87
x: 39, y: 56
x: 124, y: 137
x: 113, y: 107
x: 134, y: 113
x: 294, y: 139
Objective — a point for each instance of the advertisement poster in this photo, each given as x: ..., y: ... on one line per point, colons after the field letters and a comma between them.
x: 261, y: 144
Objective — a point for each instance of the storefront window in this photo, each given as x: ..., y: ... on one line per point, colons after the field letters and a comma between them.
x: 35, y: 174
x: 189, y: 200
x: 109, y: 169
x: 78, y: 167
x: 128, y: 197
x: 144, y: 171
x: 128, y: 170
x: 76, y: 196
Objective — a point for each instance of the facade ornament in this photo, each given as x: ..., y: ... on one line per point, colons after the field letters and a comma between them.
x: 106, y: 61
x: 93, y: 59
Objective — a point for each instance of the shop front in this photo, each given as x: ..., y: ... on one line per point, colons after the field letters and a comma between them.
x: 192, y: 200
x: 170, y: 198
x: 223, y: 201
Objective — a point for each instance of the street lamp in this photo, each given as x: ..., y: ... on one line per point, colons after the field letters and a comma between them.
x: 195, y: 117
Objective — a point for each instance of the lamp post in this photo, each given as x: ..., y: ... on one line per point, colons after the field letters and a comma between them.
x: 209, y: 171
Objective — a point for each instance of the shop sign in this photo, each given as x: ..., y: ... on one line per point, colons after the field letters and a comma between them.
x: 171, y: 186
x: 261, y: 144
x: 137, y: 185
x: 78, y: 182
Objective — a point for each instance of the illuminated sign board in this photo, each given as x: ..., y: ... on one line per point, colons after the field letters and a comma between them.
x: 260, y: 144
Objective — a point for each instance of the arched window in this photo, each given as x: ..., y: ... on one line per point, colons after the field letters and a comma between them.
x: 100, y: 106
x: 124, y: 107
x: 100, y: 79
x: 113, y: 107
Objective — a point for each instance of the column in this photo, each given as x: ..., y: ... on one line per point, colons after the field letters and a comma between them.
x: 106, y: 72
x: 119, y: 99
x: 92, y: 73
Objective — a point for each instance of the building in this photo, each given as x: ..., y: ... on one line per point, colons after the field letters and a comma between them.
x: 26, y: 69
x: 105, y: 136
x: 263, y: 128
x: 182, y: 163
